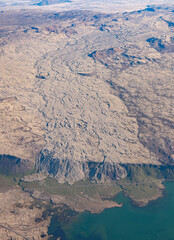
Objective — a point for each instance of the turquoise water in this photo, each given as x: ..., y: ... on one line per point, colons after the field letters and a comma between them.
x: 153, y: 222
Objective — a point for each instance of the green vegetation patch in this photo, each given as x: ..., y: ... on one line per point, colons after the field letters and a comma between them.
x: 52, y: 187
x: 143, y: 182
x: 142, y: 191
x: 7, y: 181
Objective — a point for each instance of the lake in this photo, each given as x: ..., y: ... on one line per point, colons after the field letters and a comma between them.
x: 153, y: 222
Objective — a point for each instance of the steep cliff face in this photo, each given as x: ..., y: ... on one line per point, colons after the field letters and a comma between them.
x: 11, y: 165
x: 83, y: 93
x: 71, y: 171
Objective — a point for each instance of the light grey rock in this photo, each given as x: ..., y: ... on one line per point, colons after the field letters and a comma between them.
x: 66, y: 170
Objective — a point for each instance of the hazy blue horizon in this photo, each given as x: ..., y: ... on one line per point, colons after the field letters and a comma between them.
x: 94, y: 5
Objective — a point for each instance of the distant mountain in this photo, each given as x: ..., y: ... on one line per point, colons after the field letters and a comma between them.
x: 49, y: 2
x: 4, y: 3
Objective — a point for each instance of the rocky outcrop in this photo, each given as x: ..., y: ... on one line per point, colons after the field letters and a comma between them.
x: 162, y: 45
x: 67, y: 170
x: 64, y: 170
x: 106, y: 172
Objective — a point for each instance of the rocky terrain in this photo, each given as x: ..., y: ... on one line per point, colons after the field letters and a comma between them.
x: 21, y: 218
x: 84, y: 95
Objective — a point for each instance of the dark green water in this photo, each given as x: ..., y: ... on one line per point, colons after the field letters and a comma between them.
x: 153, y: 222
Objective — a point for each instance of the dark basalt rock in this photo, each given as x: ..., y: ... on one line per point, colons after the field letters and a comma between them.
x: 11, y: 165
x: 161, y: 45
x: 101, y: 172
